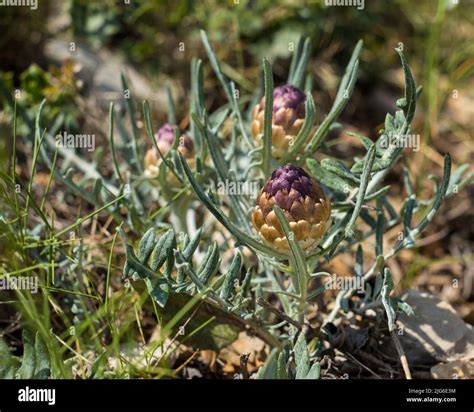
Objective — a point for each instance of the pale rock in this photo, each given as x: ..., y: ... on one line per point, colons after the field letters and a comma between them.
x: 435, y: 333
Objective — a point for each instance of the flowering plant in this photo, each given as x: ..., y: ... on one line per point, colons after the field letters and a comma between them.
x: 307, y: 212
x: 250, y: 262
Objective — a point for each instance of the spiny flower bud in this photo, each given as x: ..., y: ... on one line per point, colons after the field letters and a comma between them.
x: 165, y: 138
x: 303, y: 203
x: 288, y: 117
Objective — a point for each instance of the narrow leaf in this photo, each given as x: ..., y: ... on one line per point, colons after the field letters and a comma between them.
x: 362, y: 190
x: 301, y: 357
x: 231, y: 275
x: 386, y: 289
x: 268, y: 115
x: 28, y: 363
x: 43, y: 363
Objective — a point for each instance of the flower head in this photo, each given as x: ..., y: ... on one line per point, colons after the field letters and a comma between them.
x: 303, y: 203
x: 165, y: 138
x: 288, y: 117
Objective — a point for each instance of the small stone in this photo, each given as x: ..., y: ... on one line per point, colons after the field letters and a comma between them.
x: 435, y: 333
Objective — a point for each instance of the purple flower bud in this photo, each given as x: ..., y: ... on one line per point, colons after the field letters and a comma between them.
x: 303, y: 202
x: 166, y: 135
x: 165, y: 138
x: 289, y: 97
x: 288, y: 118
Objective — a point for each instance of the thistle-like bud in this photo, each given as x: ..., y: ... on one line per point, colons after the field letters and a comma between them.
x: 288, y: 117
x: 165, y: 138
x: 303, y: 203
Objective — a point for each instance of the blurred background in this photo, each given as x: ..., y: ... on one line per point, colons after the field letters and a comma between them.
x: 72, y: 53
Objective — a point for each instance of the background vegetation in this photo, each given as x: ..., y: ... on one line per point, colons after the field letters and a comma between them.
x: 102, y: 327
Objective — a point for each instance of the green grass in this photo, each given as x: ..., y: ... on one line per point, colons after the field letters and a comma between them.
x: 81, y: 327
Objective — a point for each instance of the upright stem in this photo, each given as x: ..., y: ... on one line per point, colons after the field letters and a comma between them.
x: 301, y: 287
x: 302, y: 303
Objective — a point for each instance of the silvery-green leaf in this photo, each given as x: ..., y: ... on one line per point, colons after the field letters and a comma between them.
x: 328, y: 178
x: 197, y: 98
x: 456, y: 178
x: 344, y: 93
x: 244, y: 289
x: 366, y: 142
x: 378, y: 165
x: 364, y: 181
x: 158, y: 289
x: 216, y: 66
x: 401, y: 306
x: 407, y: 182
x: 210, y: 264
x: 302, y: 136
x: 267, y: 117
x: 7, y: 363
x: 189, y: 249
x: 440, y: 195
x: 390, y: 209
x: 301, y: 279
x: 379, y: 231
x: 359, y: 261
x: 222, y: 167
x: 227, y: 85
x: 231, y: 275
x: 281, y: 366
x: 218, y: 117
x: 170, y: 261
x: 298, y: 75
x: 315, y: 292
x: 192, y: 245
x: 185, y: 241
x: 301, y: 357
x: 43, y: 364
x: 270, y: 369
x: 314, y: 372
x: 128, y: 272
x: 377, y: 286
x: 409, y: 104
x: 386, y: 289
x: 407, y: 217
x: 139, y: 268
x: 295, y: 59
x: 177, y: 165
x: 28, y: 363
x: 171, y: 105
x: 340, y: 169
x: 146, y: 244
x: 161, y: 251
x: 344, y: 302
x: 135, y: 133
x: 378, y: 193
x: 367, y: 218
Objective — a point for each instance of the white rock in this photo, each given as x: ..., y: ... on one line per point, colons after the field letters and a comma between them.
x: 436, y: 333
